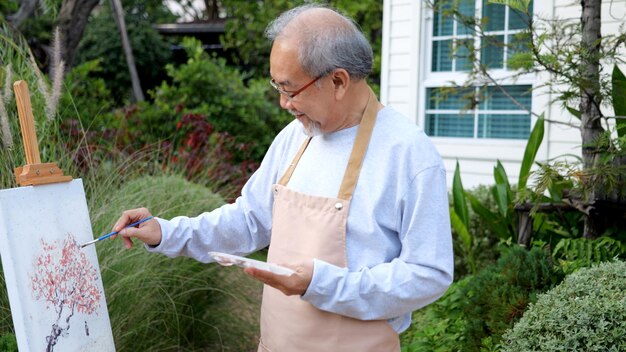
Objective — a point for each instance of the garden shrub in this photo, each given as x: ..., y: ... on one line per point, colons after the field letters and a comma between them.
x: 86, y: 97
x: 8, y: 343
x: 586, y: 312
x: 438, y: 327
x: 102, y: 41
x: 157, y: 303
x: 247, y: 110
x: 6, y: 323
x: 209, y: 157
x: 483, y: 306
x: 484, y: 241
x: 575, y: 253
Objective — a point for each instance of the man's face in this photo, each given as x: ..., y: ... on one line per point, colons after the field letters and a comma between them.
x: 310, y: 106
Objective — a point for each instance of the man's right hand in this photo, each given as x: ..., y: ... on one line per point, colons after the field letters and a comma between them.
x: 148, y: 232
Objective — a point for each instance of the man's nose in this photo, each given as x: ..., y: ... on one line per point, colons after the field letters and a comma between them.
x: 285, y: 102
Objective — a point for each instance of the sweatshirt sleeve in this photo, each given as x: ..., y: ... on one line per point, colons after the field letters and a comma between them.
x: 239, y: 228
x: 419, y: 275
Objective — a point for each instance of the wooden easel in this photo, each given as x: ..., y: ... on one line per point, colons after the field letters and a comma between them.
x: 34, y: 172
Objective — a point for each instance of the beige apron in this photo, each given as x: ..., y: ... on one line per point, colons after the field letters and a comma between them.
x: 307, y: 227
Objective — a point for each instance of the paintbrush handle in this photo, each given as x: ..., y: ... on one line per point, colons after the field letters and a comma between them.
x: 125, y: 227
x: 104, y: 237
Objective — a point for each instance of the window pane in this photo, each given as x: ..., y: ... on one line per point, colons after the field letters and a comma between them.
x: 518, y: 20
x: 495, y: 99
x: 450, y: 125
x: 518, y: 42
x: 442, y: 56
x: 465, y: 23
x: 463, y: 50
x: 503, y: 126
x: 492, y: 51
x: 493, y: 16
x: 450, y: 98
x: 518, y: 51
x: 443, y: 23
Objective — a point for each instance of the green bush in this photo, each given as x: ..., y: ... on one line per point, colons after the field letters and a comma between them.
x: 477, y: 310
x: 587, y: 312
x: 204, y: 85
x: 8, y: 343
x: 484, y: 246
x: 6, y: 324
x: 156, y: 303
x: 575, y: 253
x: 102, y: 41
x: 86, y: 97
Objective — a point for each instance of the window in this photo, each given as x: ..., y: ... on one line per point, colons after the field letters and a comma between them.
x: 480, y: 112
x: 452, y: 39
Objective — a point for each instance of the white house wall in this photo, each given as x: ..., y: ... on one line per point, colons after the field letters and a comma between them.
x: 403, y: 80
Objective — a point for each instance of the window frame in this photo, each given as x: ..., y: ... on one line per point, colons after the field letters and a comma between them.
x: 435, y: 79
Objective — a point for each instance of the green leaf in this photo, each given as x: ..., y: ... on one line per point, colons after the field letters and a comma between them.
x: 619, y: 99
x: 458, y: 196
x: 499, y: 174
x: 574, y: 112
x: 459, y: 227
x: 495, y: 222
x: 502, y: 189
x: 532, y: 146
x: 499, y: 192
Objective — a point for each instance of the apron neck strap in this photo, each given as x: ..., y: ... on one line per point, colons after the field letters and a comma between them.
x: 283, y: 180
x: 363, y: 134
x: 351, y: 175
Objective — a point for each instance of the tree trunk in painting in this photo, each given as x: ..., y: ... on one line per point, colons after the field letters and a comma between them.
x: 590, y: 99
x: 66, y: 281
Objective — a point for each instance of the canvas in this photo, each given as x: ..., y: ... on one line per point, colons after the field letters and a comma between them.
x: 55, y: 288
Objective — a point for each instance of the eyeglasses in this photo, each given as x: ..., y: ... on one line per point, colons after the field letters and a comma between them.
x: 291, y: 95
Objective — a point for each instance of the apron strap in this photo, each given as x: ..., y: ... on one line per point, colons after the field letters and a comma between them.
x: 283, y: 180
x: 351, y: 175
x: 363, y: 135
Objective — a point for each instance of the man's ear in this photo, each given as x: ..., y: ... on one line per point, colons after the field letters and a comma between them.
x: 341, y: 82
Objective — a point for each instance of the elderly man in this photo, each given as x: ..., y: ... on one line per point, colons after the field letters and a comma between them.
x: 350, y: 195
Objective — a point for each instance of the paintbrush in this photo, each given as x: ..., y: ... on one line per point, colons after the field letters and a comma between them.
x: 115, y: 232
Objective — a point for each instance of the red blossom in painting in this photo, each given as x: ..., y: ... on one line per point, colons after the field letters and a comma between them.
x: 66, y: 281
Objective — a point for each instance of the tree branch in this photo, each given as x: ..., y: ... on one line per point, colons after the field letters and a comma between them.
x: 27, y: 7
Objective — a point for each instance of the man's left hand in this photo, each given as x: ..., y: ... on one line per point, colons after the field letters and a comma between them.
x: 296, y: 284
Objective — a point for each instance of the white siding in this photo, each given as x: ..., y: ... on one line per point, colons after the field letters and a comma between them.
x: 399, y: 76
x: 405, y: 61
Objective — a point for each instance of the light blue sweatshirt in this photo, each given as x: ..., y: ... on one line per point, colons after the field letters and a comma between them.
x: 398, y: 240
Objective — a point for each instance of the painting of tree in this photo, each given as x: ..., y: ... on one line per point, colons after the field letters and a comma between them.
x: 66, y: 281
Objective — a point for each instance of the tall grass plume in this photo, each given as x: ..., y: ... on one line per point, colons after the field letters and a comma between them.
x: 5, y: 97
x: 57, y: 71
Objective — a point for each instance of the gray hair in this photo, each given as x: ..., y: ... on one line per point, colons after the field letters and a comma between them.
x: 325, y: 48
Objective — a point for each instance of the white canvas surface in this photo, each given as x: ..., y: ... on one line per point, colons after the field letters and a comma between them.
x: 55, y: 288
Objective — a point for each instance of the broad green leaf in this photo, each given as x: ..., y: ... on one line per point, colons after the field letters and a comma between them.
x: 502, y: 179
x: 560, y: 246
x: 460, y: 229
x: 499, y: 192
x: 495, y: 222
x: 532, y: 146
x: 619, y: 99
x: 458, y: 196
x: 499, y: 174
x: 574, y: 112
